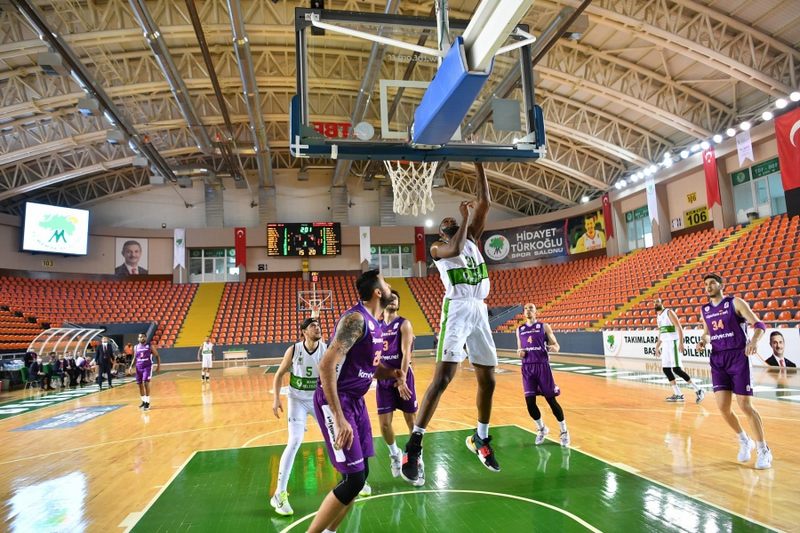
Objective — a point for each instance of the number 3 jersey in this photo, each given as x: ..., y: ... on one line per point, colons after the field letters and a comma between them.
x: 727, y: 329
x: 305, y: 370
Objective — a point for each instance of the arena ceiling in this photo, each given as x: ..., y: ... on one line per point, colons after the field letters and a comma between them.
x: 647, y: 77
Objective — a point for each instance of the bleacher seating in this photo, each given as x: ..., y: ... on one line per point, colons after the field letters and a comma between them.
x: 266, y: 309
x: 16, y: 331
x: 762, y: 268
x: 89, y: 302
x: 626, y: 280
x: 510, y: 287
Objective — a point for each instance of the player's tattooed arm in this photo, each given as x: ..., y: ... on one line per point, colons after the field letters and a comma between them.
x: 348, y: 332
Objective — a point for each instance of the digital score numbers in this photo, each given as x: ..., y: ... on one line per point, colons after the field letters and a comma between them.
x: 312, y: 239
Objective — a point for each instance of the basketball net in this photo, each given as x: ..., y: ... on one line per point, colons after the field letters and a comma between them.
x: 412, y: 183
x: 314, y: 310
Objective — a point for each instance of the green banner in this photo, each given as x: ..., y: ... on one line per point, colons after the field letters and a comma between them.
x: 765, y: 168
x: 740, y: 176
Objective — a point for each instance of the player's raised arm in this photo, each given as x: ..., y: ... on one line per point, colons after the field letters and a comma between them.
x: 452, y: 246
x: 478, y: 221
x: 348, y: 332
x: 744, y: 311
x: 277, y: 383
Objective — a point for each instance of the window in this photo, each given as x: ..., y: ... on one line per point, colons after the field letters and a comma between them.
x: 212, y: 264
x: 640, y: 231
x: 758, y: 190
x: 393, y: 260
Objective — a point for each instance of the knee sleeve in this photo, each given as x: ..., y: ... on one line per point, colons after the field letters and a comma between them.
x: 349, y: 487
x: 533, y: 409
x: 558, y: 412
x: 669, y: 374
x: 680, y: 372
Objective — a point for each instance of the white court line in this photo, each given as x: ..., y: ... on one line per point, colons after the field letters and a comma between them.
x: 126, y: 523
x: 638, y: 377
x: 574, y: 368
x: 791, y: 398
x: 259, y: 436
x: 12, y: 411
x: 679, y: 491
x: 576, y: 518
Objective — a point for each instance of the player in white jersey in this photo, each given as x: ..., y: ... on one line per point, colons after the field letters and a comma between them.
x: 301, y: 361
x: 206, y: 352
x: 465, y: 321
x: 670, y: 347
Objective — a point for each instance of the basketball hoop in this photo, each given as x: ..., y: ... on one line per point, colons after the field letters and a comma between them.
x: 412, y: 182
x: 314, y: 310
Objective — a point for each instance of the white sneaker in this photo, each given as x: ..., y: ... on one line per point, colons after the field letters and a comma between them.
x: 421, y: 476
x: 763, y: 459
x: 564, y: 438
x: 540, y: 435
x: 280, y: 502
x: 700, y: 395
x: 745, y: 448
x: 366, y: 491
x: 395, y: 463
x: 675, y: 398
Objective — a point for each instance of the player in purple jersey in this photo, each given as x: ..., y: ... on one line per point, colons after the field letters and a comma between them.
x: 534, y: 340
x: 398, y: 338
x: 725, y: 320
x: 143, y: 354
x: 339, y: 399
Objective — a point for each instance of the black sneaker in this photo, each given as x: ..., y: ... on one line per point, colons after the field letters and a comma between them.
x: 147, y: 407
x: 483, y: 449
x: 141, y: 405
x: 410, y: 469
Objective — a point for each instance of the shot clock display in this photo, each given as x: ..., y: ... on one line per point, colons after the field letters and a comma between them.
x: 307, y: 239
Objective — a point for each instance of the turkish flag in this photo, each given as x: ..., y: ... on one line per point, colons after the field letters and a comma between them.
x: 240, y: 236
x: 712, y: 177
x: 787, y: 133
x: 419, y: 240
x: 609, y: 223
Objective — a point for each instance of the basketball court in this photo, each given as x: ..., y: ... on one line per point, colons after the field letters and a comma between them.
x: 209, y: 455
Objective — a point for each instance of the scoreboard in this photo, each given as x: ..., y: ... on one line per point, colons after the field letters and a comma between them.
x: 307, y: 239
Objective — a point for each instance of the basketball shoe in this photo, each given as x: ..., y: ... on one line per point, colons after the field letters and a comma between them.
x: 396, y: 463
x: 409, y: 471
x: 280, y: 502
x: 745, y: 449
x: 763, y: 459
x: 483, y: 449
x: 564, y: 437
x: 540, y: 435
x: 700, y: 395
x: 366, y: 490
x: 675, y: 398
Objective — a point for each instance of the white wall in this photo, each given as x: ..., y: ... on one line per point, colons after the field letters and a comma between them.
x: 297, y: 201
x: 678, y: 191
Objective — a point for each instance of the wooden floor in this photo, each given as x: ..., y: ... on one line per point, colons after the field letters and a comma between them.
x: 108, y: 469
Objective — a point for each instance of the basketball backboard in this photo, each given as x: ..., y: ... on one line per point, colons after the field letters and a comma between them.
x: 352, y: 103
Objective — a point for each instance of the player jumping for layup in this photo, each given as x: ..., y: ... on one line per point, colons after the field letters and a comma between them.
x: 670, y: 347
x: 398, y: 338
x: 301, y: 360
x: 534, y: 340
x: 339, y: 399
x: 465, y: 319
x: 725, y: 320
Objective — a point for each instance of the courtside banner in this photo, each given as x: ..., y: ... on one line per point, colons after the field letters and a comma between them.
x: 641, y: 344
x: 525, y: 243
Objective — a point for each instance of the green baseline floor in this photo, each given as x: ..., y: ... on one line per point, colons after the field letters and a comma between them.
x: 541, y: 488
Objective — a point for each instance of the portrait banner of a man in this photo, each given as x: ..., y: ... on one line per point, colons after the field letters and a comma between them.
x: 131, y: 257
x: 586, y: 233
